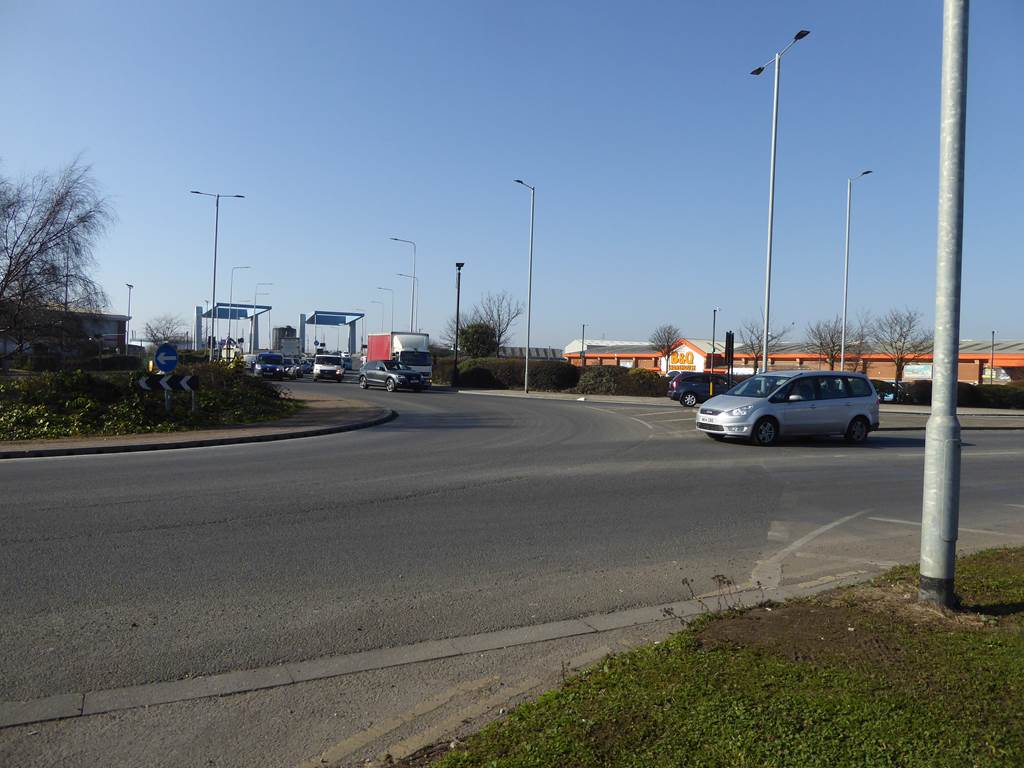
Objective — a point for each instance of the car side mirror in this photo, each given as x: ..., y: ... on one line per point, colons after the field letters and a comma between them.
x: 796, y: 398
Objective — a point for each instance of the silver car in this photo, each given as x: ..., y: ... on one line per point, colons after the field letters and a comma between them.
x: 790, y: 403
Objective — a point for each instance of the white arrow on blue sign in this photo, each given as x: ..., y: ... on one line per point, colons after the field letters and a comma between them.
x: 166, y: 358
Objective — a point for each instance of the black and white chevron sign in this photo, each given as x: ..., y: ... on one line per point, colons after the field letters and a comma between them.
x: 169, y: 383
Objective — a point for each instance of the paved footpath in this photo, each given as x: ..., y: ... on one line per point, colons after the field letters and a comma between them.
x: 323, y: 415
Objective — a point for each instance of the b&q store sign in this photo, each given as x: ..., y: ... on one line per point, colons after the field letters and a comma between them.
x: 683, y: 359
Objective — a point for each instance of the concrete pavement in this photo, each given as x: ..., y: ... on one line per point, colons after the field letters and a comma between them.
x: 465, y: 516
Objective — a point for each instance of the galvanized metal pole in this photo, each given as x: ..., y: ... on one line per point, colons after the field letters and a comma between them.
x: 771, y: 217
x: 846, y: 274
x: 529, y: 294
x: 991, y: 357
x: 213, y: 320
x: 714, y: 323
x: 941, y: 499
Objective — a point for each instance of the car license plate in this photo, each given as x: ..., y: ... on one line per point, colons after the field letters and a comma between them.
x: 707, y: 419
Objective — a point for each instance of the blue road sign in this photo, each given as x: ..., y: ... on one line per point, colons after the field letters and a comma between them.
x: 166, y: 358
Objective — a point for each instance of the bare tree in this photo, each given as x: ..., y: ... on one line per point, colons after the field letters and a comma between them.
x: 499, y: 311
x: 899, y: 335
x: 825, y: 337
x: 751, y: 334
x: 663, y: 339
x: 858, y: 343
x: 448, y: 334
x: 166, y: 328
x: 48, y: 227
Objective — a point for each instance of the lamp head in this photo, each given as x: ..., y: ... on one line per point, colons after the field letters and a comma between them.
x: 757, y: 71
x: 801, y: 34
x: 460, y: 264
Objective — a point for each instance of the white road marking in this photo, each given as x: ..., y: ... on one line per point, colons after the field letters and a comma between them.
x: 768, y: 573
x: 917, y: 523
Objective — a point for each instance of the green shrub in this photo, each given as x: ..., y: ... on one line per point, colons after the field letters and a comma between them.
x: 644, y: 382
x: 442, y: 370
x: 112, y: 363
x: 79, y: 403
x: 1001, y: 395
x: 553, y: 375
x: 601, y: 379
x: 476, y: 376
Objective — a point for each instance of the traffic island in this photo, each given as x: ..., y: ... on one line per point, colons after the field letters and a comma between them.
x: 268, y: 416
x: 859, y: 676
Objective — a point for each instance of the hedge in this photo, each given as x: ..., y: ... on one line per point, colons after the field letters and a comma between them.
x: 971, y: 395
x: 616, y: 380
x: 509, y: 373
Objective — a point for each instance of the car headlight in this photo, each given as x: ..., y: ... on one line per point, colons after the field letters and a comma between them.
x: 743, y: 410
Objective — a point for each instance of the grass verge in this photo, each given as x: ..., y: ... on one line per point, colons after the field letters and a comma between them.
x: 863, y: 676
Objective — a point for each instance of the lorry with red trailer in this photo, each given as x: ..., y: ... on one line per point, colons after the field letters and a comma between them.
x: 412, y: 349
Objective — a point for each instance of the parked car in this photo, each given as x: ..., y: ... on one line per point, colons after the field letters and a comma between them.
x: 292, y: 368
x: 328, y: 367
x: 269, y: 365
x: 788, y: 403
x: 391, y: 375
x: 306, y: 365
x: 692, y: 388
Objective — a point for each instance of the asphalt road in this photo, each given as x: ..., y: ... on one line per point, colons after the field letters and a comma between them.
x: 466, y: 514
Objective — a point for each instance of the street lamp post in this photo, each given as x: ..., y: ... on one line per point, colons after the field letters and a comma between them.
x: 771, y: 184
x: 583, y: 347
x: 374, y: 301
x: 412, y: 302
x: 254, y: 330
x: 392, y: 292
x: 458, y: 296
x: 992, y: 361
x: 940, y: 498
x: 846, y: 266
x: 529, y: 284
x: 415, y: 291
x: 128, y: 322
x: 216, y: 227
x: 714, y: 328
x: 231, y: 306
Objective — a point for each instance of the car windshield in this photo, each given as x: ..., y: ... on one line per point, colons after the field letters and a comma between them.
x: 759, y: 386
x: 271, y: 359
x: 395, y: 365
x: 328, y: 360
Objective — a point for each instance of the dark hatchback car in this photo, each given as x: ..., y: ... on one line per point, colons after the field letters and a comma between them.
x: 692, y: 388
x: 391, y: 375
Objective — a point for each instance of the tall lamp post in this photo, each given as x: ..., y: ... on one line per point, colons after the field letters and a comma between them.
x: 940, y: 498
x: 254, y: 331
x: 846, y: 265
x: 231, y: 303
x: 374, y: 301
x: 458, y: 296
x: 992, y: 361
x: 415, y: 291
x: 771, y: 184
x: 583, y: 347
x: 392, y: 292
x: 412, y: 302
x: 128, y: 322
x: 714, y: 328
x: 529, y: 284
x: 216, y: 227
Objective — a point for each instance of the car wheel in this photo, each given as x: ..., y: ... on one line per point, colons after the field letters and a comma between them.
x: 688, y: 400
x: 766, y: 432
x: 858, y: 430
x: 390, y: 385
x: 363, y: 384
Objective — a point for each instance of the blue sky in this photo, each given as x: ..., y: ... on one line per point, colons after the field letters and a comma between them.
x: 347, y: 122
